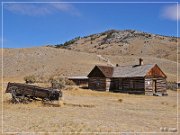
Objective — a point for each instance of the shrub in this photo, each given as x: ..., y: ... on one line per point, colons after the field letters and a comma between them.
x: 30, y: 79
x: 41, y: 79
x: 60, y: 82
x: 104, y: 33
x: 57, y: 83
x: 50, y: 79
x: 58, y: 45
x: 93, y: 38
x: 173, y: 40
x: 72, y: 41
x: 69, y: 82
x: 172, y: 85
x: 67, y: 43
x: 120, y: 100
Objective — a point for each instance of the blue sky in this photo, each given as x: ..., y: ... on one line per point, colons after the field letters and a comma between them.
x: 36, y: 24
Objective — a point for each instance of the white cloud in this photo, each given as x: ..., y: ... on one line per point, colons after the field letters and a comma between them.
x: 65, y: 8
x: 34, y: 9
x: 27, y: 9
x: 170, y: 12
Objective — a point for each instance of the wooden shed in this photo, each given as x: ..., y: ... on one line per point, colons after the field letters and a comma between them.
x: 140, y: 79
x: 79, y: 80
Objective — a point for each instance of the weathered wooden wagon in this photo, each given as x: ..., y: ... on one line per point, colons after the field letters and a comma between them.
x: 141, y: 79
x: 23, y: 92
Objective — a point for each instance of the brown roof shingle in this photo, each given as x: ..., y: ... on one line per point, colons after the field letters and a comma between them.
x: 132, y: 71
x: 106, y: 70
x: 125, y: 71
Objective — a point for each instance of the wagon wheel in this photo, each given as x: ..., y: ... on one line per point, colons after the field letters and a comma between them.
x: 29, y: 98
x: 13, y: 88
x: 45, y: 99
x: 14, y: 91
x: 24, y: 99
x: 17, y: 96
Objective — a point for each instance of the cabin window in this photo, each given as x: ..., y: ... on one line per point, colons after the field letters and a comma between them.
x: 149, y: 82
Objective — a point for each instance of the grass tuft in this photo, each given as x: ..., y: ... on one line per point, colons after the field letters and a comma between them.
x: 120, y: 100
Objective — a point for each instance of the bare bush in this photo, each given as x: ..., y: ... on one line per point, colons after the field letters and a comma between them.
x: 41, y: 79
x: 30, y: 79
x: 172, y: 85
x: 69, y: 82
x: 120, y: 100
x: 57, y: 82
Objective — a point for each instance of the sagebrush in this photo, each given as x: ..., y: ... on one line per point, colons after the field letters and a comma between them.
x: 30, y: 79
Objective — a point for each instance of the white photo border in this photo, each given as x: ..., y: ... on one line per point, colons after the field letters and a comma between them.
x: 138, y: 2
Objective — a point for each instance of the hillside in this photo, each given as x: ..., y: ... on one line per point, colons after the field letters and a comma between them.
x: 45, y: 62
x: 125, y: 42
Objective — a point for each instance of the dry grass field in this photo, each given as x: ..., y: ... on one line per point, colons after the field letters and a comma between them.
x: 85, y: 111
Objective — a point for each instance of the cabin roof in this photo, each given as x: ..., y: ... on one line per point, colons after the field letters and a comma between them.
x: 124, y: 71
x: 78, y: 77
x: 132, y: 70
x: 106, y: 70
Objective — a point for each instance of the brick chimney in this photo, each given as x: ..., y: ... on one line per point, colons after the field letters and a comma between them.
x: 140, y: 61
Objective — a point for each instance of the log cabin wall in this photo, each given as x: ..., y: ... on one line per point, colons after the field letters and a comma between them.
x: 97, y: 83
x: 155, y: 85
x: 115, y: 84
x: 133, y: 85
x: 108, y: 84
x: 128, y: 85
x: 161, y: 85
x: 148, y: 86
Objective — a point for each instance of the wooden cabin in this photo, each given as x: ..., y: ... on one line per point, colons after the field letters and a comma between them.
x: 79, y: 80
x: 140, y: 79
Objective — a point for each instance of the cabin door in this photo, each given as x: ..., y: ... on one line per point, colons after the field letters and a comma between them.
x: 154, y: 86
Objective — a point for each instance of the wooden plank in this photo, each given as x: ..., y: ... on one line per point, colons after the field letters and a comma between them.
x: 160, y: 84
